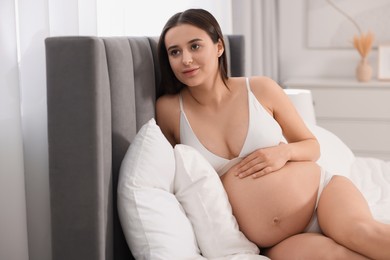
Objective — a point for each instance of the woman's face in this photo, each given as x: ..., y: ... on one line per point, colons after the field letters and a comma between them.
x: 192, y: 54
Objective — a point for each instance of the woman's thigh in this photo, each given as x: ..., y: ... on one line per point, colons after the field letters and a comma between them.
x: 344, y: 215
x: 341, y: 204
x: 310, y: 246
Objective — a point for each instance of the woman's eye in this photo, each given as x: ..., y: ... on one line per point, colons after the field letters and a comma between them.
x: 174, y: 52
x: 195, y: 46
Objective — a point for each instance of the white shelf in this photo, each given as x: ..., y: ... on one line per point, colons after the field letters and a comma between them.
x: 334, y: 82
x: 357, y: 112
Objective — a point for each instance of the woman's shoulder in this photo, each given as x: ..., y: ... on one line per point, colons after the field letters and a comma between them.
x: 167, y: 111
x: 167, y: 104
x: 266, y: 90
x: 262, y: 85
x: 255, y: 81
x: 167, y: 99
x: 262, y: 82
x: 259, y: 85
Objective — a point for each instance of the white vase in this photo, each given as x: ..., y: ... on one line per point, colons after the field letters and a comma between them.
x: 363, y: 71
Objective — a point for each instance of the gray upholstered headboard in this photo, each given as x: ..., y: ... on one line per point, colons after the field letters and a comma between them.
x: 100, y: 91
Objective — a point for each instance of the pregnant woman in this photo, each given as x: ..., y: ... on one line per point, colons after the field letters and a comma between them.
x: 282, y: 200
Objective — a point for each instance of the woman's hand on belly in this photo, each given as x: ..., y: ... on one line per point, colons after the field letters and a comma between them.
x: 276, y: 206
x: 262, y: 162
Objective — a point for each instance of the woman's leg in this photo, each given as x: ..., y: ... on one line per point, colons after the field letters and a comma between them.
x: 311, y: 246
x: 344, y: 216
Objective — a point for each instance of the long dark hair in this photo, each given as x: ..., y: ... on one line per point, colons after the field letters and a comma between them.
x: 197, y: 17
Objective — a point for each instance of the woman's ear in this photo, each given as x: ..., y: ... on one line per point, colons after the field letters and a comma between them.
x: 220, y: 47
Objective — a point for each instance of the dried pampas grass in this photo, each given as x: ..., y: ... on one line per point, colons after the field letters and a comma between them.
x: 363, y: 43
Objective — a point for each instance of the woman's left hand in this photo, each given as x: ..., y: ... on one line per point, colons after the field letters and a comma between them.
x: 262, y: 162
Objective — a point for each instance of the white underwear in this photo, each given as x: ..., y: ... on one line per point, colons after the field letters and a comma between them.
x: 313, y: 226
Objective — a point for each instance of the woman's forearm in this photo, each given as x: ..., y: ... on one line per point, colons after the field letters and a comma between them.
x: 306, y: 150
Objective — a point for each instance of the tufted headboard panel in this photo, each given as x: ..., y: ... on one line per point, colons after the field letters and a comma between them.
x: 100, y: 91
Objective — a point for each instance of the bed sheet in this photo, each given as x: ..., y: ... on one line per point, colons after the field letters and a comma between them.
x: 372, y: 177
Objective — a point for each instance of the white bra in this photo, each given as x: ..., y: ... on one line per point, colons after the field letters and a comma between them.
x: 263, y: 131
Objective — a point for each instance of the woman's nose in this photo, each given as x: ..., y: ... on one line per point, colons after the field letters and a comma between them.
x: 187, y: 58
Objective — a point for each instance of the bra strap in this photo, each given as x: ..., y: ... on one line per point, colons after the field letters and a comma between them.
x: 181, y: 102
x: 247, y: 84
x: 248, y: 87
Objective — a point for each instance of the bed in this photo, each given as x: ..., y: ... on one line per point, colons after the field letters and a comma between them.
x: 372, y: 177
x: 100, y: 93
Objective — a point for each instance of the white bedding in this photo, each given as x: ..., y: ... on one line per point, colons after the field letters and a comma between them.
x: 156, y: 210
x: 372, y: 177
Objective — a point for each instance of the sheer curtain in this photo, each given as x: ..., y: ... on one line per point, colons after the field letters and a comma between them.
x: 13, y: 224
x: 257, y: 21
x: 24, y: 24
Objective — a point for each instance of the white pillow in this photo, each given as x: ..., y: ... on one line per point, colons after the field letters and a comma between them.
x: 336, y: 157
x: 201, y: 193
x: 152, y: 219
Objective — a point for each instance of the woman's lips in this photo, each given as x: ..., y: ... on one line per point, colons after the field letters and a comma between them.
x: 190, y: 72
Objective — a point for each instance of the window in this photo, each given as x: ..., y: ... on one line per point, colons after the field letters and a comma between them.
x: 147, y: 17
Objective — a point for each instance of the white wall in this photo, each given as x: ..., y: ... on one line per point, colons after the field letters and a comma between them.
x: 296, y: 60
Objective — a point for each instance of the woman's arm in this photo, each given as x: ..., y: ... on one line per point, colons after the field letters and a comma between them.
x: 301, y: 144
x: 167, y: 117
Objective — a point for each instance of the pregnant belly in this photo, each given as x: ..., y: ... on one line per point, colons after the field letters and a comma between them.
x: 271, y: 208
